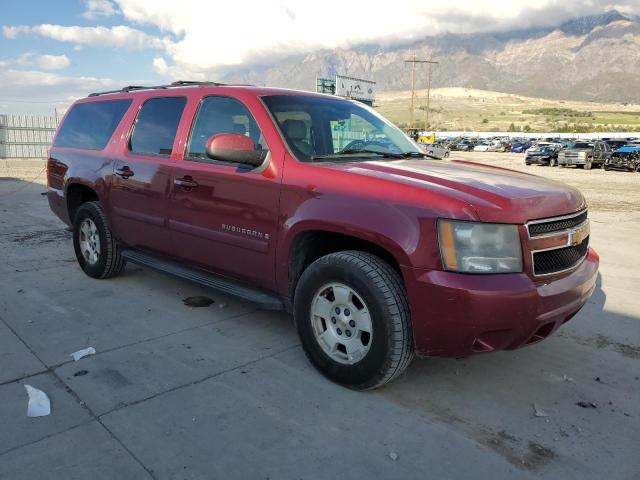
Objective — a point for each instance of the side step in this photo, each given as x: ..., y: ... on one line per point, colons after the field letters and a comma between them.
x: 262, y: 298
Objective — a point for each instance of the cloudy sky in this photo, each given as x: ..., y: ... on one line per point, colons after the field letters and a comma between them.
x: 53, y: 52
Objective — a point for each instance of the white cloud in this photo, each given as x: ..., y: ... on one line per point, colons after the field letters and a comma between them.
x: 27, y: 86
x: 33, y: 91
x: 202, y: 36
x: 98, y: 8
x: 45, y: 62
x: 119, y: 36
x: 215, y: 35
x: 52, y: 62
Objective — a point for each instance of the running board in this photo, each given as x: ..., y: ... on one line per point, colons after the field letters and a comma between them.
x: 262, y: 298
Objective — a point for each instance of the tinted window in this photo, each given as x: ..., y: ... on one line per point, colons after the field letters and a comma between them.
x: 90, y: 125
x: 156, y: 126
x: 222, y: 115
x: 319, y: 128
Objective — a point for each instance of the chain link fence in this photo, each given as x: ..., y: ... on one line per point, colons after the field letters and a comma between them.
x: 26, y: 136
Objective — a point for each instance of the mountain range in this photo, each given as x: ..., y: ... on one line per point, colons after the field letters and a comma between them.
x: 594, y: 58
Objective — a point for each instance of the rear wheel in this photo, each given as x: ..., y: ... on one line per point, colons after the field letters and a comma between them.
x: 353, y: 319
x: 97, y: 252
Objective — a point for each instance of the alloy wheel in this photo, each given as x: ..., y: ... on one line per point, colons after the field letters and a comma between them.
x: 89, y: 241
x: 341, y: 323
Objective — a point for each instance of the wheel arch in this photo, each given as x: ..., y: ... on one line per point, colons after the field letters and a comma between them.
x: 308, y: 245
x: 78, y: 193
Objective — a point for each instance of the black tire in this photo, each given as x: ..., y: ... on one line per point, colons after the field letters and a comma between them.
x: 527, y: 164
x: 110, y: 262
x: 588, y: 164
x: 553, y: 162
x: 383, y: 292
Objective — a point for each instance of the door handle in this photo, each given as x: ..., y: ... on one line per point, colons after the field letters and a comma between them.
x: 124, y: 172
x: 185, y: 182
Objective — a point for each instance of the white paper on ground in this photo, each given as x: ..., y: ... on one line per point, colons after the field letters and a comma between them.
x: 83, y: 353
x: 39, y: 404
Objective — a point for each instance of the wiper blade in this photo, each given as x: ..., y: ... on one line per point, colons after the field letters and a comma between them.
x: 357, y: 152
x: 418, y: 154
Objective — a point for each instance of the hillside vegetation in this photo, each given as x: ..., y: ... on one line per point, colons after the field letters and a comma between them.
x: 457, y: 109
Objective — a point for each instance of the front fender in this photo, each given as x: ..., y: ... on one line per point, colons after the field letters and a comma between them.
x: 400, y: 230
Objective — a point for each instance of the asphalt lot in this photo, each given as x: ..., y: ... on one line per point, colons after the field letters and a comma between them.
x: 226, y: 392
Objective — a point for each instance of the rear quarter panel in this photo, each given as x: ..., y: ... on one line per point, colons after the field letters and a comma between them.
x: 91, y: 168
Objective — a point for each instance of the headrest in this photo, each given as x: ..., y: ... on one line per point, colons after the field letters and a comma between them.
x: 295, y: 129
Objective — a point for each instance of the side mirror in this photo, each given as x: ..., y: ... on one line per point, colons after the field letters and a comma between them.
x: 234, y: 147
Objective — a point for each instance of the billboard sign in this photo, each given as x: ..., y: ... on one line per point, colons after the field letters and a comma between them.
x: 355, y: 88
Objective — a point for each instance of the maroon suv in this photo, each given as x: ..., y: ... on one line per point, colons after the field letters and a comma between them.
x: 319, y: 206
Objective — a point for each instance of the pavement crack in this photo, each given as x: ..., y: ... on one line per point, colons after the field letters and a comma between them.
x: 200, y: 380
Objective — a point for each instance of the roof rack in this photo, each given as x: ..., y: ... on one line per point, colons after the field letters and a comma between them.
x: 178, y: 83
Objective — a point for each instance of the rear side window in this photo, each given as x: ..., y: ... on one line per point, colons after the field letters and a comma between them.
x: 90, y: 125
x: 156, y: 126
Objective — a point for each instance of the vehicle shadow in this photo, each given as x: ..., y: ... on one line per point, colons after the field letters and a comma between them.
x: 522, y: 404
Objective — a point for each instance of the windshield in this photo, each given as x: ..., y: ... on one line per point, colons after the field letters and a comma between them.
x: 325, y: 128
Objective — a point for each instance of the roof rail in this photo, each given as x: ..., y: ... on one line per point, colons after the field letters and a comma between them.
x: 178, y: 83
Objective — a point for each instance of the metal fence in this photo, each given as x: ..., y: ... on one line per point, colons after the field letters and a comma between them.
x: 26, y: 136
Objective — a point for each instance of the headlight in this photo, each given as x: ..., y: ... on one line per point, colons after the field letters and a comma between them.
x: 473, y: 247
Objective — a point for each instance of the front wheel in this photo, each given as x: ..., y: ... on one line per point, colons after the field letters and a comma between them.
x: 97, y: 252
x: 353, y: 319
x: 588, y: 164
x: 553, y: 162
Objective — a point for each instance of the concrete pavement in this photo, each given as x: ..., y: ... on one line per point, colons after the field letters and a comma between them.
x: 215, y: 392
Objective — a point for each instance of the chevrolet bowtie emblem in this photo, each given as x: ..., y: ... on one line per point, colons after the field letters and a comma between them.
x: 577, y: 235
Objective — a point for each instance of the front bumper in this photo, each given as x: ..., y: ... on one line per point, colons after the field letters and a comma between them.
x: 457, y: 315
x: 538, y: 160
x: 572, y: 160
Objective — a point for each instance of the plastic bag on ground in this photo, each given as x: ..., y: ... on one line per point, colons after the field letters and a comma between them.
x: 39, y: 404
x: 83, y: 353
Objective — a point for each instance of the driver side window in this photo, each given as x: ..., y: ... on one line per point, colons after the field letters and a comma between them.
x: 221, y: 115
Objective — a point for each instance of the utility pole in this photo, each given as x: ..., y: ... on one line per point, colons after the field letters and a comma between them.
x: 429, y: 62
x: 413, y: 61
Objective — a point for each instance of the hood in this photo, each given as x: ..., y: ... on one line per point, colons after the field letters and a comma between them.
x: 495, y: 194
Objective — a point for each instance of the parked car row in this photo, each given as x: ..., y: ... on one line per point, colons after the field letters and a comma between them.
x: 626, y: 158
x: 608, y: 153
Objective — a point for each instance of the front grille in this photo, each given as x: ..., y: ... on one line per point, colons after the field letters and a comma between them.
x: 553, y: 226
x: 553, y: 261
